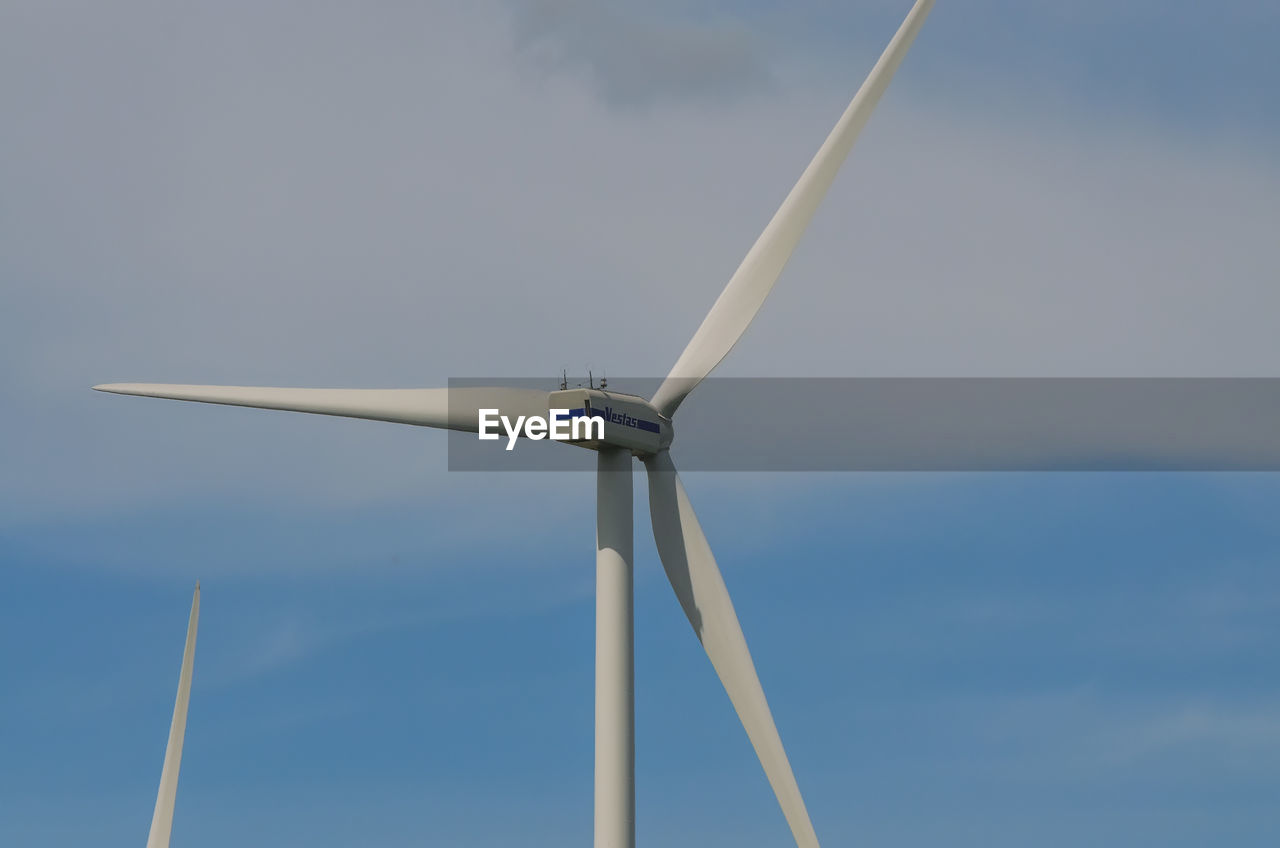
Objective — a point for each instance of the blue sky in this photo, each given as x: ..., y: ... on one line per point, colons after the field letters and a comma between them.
x: 392, y: 654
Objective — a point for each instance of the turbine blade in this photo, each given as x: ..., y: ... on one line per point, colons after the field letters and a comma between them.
x: 693, y: 573
x: 162, y: 818
x: 755, y: 277
x: 453, y: 409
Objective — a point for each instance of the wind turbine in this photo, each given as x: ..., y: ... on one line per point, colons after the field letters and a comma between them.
x: 682, y: 546
x: 162, y: 818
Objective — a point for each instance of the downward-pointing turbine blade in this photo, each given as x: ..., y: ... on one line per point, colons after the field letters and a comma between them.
x: 162, y: 818
x: 751, y: 283
x: 693, y: 573
x: 453, y: 409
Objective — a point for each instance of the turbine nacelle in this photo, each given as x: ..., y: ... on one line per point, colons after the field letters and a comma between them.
x: 630, y: 421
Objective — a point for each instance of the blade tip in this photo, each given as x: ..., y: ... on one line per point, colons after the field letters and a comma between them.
x: 141, y: 389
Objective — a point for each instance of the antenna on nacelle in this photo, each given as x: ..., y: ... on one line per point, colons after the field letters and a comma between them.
x: 564, y: 379
x: 604, y: 380
x: 591, y: 381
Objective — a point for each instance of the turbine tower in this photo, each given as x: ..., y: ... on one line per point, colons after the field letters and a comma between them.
x: 644, y: 432
x: 162, y: 818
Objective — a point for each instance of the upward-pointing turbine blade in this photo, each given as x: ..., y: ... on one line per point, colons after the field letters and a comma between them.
x: 693, y: 573
x: 162, y: 818
x: 751, y: 283
x: 453, y: 409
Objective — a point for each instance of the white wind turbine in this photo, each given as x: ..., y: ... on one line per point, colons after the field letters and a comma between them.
x: 645, y: 432
x: 162, y: 818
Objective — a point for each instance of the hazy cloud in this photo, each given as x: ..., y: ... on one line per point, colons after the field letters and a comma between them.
x: 637, y: 53
x: 389, y: 198
x: 1230, y: 734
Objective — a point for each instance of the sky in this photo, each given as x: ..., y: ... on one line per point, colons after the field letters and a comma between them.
x: 395, y: 654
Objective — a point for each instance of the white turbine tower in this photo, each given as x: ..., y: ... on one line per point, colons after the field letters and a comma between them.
x: 682, y: 547
x: 162, y: 818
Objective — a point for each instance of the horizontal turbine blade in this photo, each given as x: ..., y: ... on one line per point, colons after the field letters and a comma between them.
x: 693, y: 573
x: 452, y: 409
x: 162, y: 818
x: 742, y: 298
